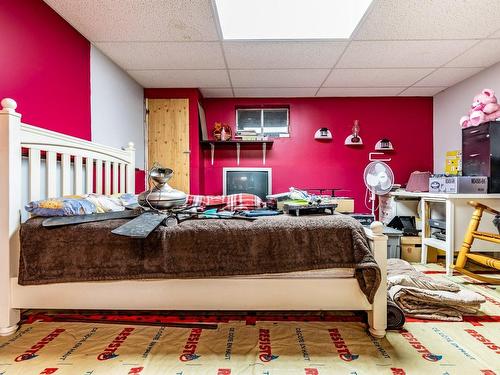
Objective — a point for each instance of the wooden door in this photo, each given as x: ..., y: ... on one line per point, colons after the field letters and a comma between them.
x: 168, y: 138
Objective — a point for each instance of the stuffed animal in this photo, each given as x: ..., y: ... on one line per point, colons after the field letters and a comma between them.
x: 484, y: 108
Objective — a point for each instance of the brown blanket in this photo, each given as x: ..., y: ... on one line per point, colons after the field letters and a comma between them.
x: 197, y: 249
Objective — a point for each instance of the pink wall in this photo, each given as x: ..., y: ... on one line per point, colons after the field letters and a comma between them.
x: 301, y: 161
x: 45, y: 67
x: 196, y: 157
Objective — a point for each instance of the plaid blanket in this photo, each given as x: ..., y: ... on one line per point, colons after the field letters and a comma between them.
x: 233, y: 202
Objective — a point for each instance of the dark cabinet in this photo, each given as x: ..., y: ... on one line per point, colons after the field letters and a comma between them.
x: 481, y: 153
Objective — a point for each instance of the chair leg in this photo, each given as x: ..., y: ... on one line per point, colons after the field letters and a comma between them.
x: 468, y: 238
x: 484, y: 279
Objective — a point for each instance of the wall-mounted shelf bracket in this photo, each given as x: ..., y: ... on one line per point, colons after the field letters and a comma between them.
x: 264, y: 145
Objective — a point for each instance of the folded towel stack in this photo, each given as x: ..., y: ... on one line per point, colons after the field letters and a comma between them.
x: 423, y: 297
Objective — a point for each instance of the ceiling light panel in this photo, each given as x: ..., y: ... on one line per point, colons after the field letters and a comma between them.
x: 289, y: 19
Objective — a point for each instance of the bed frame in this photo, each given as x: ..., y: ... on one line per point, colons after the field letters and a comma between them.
x: 75, y: 166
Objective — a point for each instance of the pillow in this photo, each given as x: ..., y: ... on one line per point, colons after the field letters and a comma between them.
x: 233, y: 202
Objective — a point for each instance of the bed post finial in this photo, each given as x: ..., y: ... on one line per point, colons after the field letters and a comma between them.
x: 377, y: 228
x: 8, y: 105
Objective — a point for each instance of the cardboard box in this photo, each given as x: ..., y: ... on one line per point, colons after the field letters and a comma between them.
x: 459, y: 184
x: 344, y: 205
x: 466, y: 184
x: 411, y: 250
x: 437, y: 184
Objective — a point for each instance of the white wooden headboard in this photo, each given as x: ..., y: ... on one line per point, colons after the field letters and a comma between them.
x: 70, y: 166
x: 85, y: 167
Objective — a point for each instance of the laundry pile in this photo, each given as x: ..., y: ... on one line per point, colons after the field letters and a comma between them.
x: 422, y: 297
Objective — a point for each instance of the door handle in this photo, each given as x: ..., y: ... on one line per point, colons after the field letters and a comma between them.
x: 473, y: 155
x: 186, y: 152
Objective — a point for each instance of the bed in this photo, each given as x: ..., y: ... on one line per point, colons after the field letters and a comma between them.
x: 61, y: 165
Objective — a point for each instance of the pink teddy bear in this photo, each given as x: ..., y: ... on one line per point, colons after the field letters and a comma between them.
x: 484, y: 108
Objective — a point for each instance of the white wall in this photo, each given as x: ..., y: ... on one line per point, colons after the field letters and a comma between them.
x: 117, y: 106
x: 453, y: 103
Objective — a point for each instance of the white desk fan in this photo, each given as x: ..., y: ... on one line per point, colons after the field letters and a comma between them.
x: 378, y: 178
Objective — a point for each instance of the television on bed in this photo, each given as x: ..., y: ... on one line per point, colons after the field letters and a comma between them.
x: 257, y: 181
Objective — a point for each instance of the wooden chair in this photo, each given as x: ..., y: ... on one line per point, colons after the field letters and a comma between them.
x: 472, y: 234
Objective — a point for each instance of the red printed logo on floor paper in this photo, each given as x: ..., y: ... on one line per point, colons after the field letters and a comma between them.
x: 311, y: 371
x: 135, y: 370
x: 484, y: 340
x: 488, y: 372
x: 420, y: 348
x: 224, y: 371
x: 49, y: 370
x: 340, y: 345
x: 265, y: 349
x: 397, y: 371
x: 189, y: 351
x: 31, y: 352
x: 113, y: 346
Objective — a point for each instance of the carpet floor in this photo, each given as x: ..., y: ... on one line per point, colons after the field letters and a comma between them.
x: 52, y: 342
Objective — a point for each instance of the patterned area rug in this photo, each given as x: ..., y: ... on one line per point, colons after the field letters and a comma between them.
x: 264, y: 344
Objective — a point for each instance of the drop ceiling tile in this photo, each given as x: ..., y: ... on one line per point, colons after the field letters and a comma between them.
x: 483, y: 54
x: 447, y: 76
x: 422, y: 91
x: 359, y: 91
x: 280, y: 92
x: 278, y: 78
x: 181, y: 78
x: 284, y: 54
x: 496, y: 34
x: 402, y: 54
x: 139, y: 20
x: 430, y: 19
x: 216, y: 93
x: 164, y: 55
x: 374, y: 77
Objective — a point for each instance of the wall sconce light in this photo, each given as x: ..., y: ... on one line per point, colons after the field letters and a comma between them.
x: 323, y: 133
x: 354, y: 139
x: 384, y: 145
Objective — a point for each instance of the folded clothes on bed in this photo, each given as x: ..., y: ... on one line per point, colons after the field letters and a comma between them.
x: 80, y: 204
x: 69, y: 206
x: 421, y: 296
x: 232, y: 202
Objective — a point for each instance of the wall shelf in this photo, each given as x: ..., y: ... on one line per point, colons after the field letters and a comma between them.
x: 251, y: 145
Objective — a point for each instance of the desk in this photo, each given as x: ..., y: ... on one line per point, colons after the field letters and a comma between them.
x: 457, y: 215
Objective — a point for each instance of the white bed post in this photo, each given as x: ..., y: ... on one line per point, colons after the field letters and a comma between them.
x: 377, y: 317
x: 130, y: 168
x: 10, y: 213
